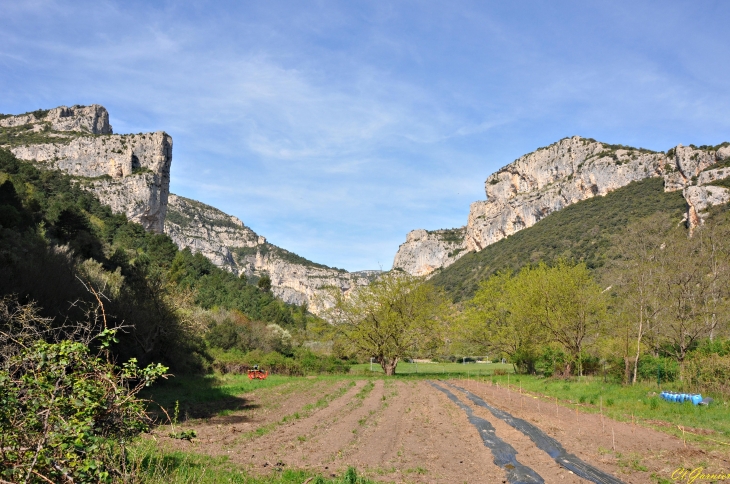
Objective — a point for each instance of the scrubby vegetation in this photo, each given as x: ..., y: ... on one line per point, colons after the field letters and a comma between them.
x: 186, y: 212
x: 28, y: 134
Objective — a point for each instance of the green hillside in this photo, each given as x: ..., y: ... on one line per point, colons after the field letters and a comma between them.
x: 57, y: 240
x: 579, y: 232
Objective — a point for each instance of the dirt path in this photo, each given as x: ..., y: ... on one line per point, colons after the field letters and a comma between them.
x: 410, y: 431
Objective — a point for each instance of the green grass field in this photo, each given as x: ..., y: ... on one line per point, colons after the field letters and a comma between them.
x: 435, y: 370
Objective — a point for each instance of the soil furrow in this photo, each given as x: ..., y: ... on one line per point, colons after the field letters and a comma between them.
x: 267, y: 407
x: 545, y: 443
x: 504, y: 455
x: 291, y: 444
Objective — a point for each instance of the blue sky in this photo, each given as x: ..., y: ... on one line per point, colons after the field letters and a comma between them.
x: 335, y: 127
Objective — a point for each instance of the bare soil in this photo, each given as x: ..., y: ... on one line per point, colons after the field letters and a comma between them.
x: 407, y: 431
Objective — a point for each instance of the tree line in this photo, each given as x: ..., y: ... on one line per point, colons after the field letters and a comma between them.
x: 661, y: 298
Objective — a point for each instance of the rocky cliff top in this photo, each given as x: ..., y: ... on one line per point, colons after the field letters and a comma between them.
x: 131, y: 173
x: 92, y: 119
x: 570, y: 170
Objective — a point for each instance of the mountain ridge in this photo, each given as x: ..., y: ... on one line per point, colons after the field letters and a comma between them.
x: 551, y: 178
x: 228, y: 243
x: 131, y: 174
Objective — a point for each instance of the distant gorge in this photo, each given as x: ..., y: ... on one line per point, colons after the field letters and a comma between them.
x: 131, y: 173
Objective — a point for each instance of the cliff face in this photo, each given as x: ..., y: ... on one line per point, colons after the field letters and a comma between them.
x: 424, y: 251
x: 92, y: 119
x: 131, y: 173
x: 571, y: 170
x: 229, y: 244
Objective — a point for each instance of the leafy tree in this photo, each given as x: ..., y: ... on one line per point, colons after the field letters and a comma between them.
x: 695, y: 288
x: 565, y: 303
x: 636, y: 273
x: 488, y: 324
x: 561, y: 304
x: 264, y: 283
x: 394, y: 317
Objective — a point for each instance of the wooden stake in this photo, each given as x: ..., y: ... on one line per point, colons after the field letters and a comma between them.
x: 633, y: 424
x: 576, y: 419
x: 556, y: 406
x: 538, y: 406
x: 613, y: 439
x: 603, y: 424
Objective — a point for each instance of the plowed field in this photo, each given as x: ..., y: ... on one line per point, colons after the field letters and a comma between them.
x: 435, y: 432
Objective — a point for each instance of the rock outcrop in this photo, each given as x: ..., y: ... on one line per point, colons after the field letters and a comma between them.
x: 573, y: 169
x: 131, y: 173
x: 229, y: 244
x: 424, y: 251
x: 92, y: 119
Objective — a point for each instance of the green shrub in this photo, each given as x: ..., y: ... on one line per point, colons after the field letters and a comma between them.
x: 651, y: 368
x: 66, y: 414
x: 707, y: 373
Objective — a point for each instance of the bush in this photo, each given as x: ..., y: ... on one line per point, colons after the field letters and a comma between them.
x: 707, y: 373
x: 66, y: 415
x: 651, y: 368
x: 314, y: 363
x: 303, y: 362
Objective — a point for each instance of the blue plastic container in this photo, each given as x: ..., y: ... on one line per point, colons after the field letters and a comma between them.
x: 696, y: 399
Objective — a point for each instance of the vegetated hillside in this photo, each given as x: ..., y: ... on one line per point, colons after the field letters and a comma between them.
x: 580, y: 232
x: 231, y: 245
x: 56, y: 238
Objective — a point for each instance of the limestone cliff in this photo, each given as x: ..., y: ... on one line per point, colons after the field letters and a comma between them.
x: 92, y: 119
x: 424, y: 251
x: 131, y: 173
x: 229, y: 244
x: 566, y: 172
